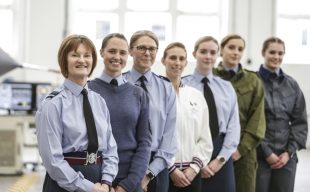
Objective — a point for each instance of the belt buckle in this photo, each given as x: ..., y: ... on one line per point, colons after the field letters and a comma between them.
x: 91, y: 158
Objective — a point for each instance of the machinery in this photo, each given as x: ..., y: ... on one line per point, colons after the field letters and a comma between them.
x: 18, y: 104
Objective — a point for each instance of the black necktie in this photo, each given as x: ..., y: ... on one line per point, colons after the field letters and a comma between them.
x: 213, y: 120
x: 142, y: 80
x: 232, y: 73
x: 90, y: 124
x: 114, y: 82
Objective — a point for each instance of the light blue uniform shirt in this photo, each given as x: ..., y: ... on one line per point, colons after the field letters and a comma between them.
x: 107, y: 78
x: 61, y: 129
x: 226, y: 106
x: 162, y: 117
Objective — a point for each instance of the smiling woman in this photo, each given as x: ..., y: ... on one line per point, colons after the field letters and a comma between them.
x: 79, y: 121
x: 77, y: 51
x: 80, y: 64
x: 129, y: 112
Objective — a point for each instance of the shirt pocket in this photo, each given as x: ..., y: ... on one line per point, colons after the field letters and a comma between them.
x: 244, y: 97
x: 287, y: 100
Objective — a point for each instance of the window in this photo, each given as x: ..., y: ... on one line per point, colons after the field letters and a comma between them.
x: 293, y: 26
x: 12, y: 16
x: 6, y: 19
x: 173, y: 20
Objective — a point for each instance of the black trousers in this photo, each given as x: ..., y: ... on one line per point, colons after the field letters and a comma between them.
x: 193, y: 187
x: 224, y: 179
x: 90, y: 172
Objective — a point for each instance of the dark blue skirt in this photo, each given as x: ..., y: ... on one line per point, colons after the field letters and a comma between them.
x: 90, y: 172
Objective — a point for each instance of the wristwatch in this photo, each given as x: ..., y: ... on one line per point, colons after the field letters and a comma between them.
x: 150, y: 174
x: 221, y: 159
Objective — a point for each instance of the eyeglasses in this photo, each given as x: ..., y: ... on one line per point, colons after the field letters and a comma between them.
x: 143, y: 49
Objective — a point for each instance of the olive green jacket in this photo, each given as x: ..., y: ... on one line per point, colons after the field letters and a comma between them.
x: 250, y: 93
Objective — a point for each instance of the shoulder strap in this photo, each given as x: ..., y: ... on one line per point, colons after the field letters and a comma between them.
x: 52, y: 94
x: 163, y: 77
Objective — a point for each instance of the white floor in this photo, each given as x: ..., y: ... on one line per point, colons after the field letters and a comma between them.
x: 302, y: 183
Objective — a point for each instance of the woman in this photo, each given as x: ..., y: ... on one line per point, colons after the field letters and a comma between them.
x: 74, y: 133
x: 193, y: 133
x: 286, y: 119
x: 250, y: 95
x: 129, y: 111
x: 143, y: 48
x: 225, y: 126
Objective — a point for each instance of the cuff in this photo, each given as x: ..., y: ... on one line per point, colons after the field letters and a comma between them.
x: 291, y: 153
x: 107, y: 179
x: 157, y: 165
x: 198, y: 162
x: 195, y: 167
x: 171, y: 169
x: 107, y: 183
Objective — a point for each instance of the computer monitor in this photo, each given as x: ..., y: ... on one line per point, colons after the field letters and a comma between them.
x: 23, y: 96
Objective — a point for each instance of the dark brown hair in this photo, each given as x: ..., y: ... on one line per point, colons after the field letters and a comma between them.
x: 110, y: 36
x: 270, y: 40
x: 71, y: 43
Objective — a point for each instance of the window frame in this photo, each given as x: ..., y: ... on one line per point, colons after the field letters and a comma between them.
x: 291, y: 42
x: 174, y: 13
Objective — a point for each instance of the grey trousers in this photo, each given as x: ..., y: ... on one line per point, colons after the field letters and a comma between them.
x: 276, y: 180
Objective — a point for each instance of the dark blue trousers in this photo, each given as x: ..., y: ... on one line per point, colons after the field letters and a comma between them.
x: 193, y: 187
x: 161, y: 182
x: 224, y: 179
x: 90, y: 172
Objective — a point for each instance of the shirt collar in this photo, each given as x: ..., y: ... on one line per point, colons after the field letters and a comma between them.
x: 199, y: 76
x: 74, y: 87
x: 107, y: 78
x: 136, y: 75
x: 277, y: 71
x: 235, y: 68
x: 267, y: 74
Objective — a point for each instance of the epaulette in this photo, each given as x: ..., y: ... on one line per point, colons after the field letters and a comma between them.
x: 250, y: 71
x: 185, y: 76
x: 163, y: 77
x: 125, y: 73
x: 52, y: 94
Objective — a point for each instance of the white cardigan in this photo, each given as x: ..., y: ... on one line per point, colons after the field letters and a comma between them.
x: 193, y: 133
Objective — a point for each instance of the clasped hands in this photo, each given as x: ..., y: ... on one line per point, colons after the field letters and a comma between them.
x: 183, y: 178
x: 98, y: 187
